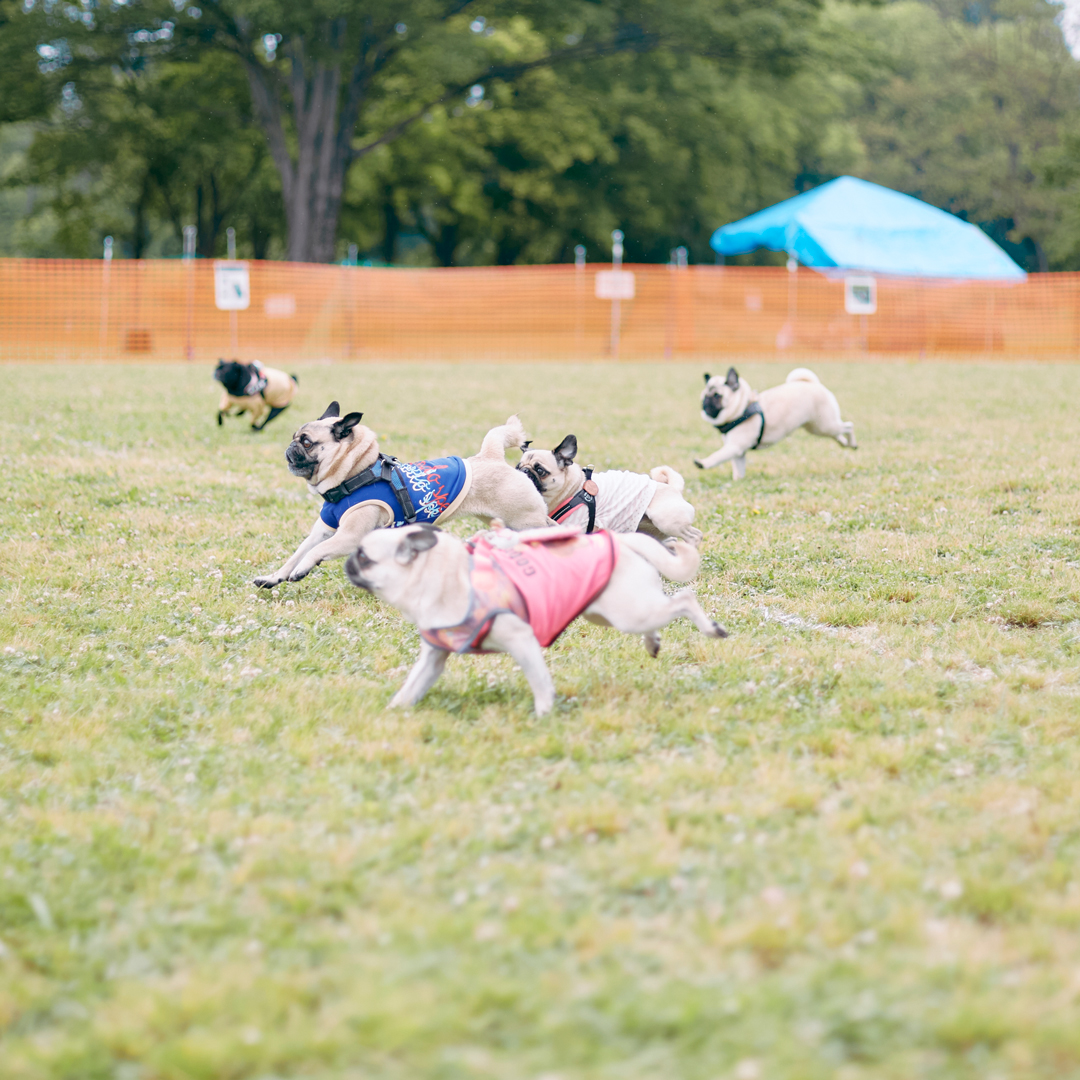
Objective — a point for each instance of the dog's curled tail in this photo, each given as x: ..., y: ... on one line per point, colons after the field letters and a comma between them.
x: 802, y: 374
x: 500, y: 439
x: 674, y: 559
x: 665, y: 474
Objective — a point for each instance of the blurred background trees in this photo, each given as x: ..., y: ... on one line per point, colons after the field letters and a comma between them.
x: 450, y: 132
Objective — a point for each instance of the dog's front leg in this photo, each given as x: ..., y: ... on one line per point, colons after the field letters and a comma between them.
x: 427, y: 669
x: 319, y: 532
x: 509, y: 634
x: 732, y: 448
x: 354, y: 527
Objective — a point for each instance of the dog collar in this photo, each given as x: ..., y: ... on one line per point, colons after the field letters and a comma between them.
x: 385, y: 468
x: 753, y: 409
x: 585, y: 497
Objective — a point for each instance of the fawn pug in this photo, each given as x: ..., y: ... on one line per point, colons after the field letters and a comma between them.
x: 516, y: 592
x: 363, y: 489
x: 748, y: 420
x: 264, y: 392
x: 622, y: 501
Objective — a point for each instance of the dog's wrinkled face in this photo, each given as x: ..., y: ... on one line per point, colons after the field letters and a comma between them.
x: 388, y: 558
x: 718, y: 397
x: 318, y: 444
x: 233, y: 375
x: 547, y: 468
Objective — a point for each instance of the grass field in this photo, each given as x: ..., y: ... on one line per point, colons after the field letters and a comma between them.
x: 843, y: 843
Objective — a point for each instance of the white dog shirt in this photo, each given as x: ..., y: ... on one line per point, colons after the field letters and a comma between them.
x: 621, y: 501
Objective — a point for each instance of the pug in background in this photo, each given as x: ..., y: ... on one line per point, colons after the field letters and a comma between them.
x: 262, y: 391
x: 625, y: 502
x: 363, y: 489
x: 748, y: 420
x: 515, y: 593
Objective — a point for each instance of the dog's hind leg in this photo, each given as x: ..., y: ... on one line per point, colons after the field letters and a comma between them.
x: 219, y: 416
x: 275, y: 411
x: 509, y: 634
x: 425, y: 672
x: 738, y: 467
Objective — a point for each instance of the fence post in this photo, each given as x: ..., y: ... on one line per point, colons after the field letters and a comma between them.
x: 579, y: 279
x: 616, y: 306
x: 106, y: 256
x: 190, y: 233
x: 230, y: 247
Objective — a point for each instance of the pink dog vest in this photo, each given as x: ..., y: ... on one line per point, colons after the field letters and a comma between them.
x: 548, y: 582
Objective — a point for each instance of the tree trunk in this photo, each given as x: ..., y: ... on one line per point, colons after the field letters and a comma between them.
x: 312, y: 180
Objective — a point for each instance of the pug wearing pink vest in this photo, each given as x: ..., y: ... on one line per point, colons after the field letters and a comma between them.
x: 511, y: 592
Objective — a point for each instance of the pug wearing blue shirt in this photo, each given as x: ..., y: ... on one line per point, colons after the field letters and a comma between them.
x: 363, y: 489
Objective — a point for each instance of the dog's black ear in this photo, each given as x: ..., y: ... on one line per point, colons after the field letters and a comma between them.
x: 414, y: 543
x: 525, y: 445
x: 566, y: 451
x: 332, y: 410
x: 732, y: 379
x: 343, y: 428
x: 707, y: 378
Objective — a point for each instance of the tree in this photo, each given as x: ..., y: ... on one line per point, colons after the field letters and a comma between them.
x: 664, y: 146
x: 972, y: 99
x: 333, y: 80
x: 173, y: 142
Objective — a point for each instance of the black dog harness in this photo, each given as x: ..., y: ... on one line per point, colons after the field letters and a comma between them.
x: 257, y: 382
x: 585, y: 497
x: 385, y: 468
x: 753, y: 409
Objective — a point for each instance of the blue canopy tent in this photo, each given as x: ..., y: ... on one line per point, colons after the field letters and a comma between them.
x: 852, y: 224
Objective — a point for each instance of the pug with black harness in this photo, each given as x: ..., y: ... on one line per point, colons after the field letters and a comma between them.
x: 748, y: 420
x: 263, y: 392
x: 621, y: 501
x: 363, y: 489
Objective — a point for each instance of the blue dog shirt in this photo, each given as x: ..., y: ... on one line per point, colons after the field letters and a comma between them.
x: 435, y: 487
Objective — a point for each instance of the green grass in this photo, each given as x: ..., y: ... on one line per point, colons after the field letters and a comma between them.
x: 843, y: 843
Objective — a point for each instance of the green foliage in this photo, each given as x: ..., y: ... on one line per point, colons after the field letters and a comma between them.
x: 810, y: 850
x: 965, y: 108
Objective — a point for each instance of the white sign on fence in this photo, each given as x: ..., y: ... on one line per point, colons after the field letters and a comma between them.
x: 860, y: 295
x: 232, y: 286
x: 614, y: 285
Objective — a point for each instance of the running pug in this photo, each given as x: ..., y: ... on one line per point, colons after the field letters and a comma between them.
x: 262, y: 391
x: 625, y: 502
x: 482, y: 596
x: 362, y: 490
x: 748, y: 420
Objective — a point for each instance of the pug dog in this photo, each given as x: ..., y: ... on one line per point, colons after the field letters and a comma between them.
x: 516, y: 592
x: 363, y: 489
x: 748, y: 420
x: 624, y: 502
x: 264, y: 392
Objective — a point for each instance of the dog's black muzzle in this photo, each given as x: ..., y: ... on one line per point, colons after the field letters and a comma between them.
x: 298, y: 461
x: 532, y: 476
x: 354, y: 569
x: 711, y: 405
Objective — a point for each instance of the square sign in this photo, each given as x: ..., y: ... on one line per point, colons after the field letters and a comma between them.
x: 232, y: 286
x: 860, y: 295
x: 614, y: 285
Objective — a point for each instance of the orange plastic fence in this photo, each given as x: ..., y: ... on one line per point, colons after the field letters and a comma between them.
x: 67, y: 310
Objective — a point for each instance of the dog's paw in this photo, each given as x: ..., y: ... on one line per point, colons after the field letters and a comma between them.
x: 267, y: 582
x: 718, y: 630
x: 219, y: 420
x: 652, y: 643
x: 699, y: 464
x: 299, y: 575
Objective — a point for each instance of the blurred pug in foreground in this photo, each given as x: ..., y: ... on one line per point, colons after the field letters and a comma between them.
x: 264, y: 392
x: 363, y: 489
x: 748, y: 420
x: 516, y: 593
x: 620, y: 501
